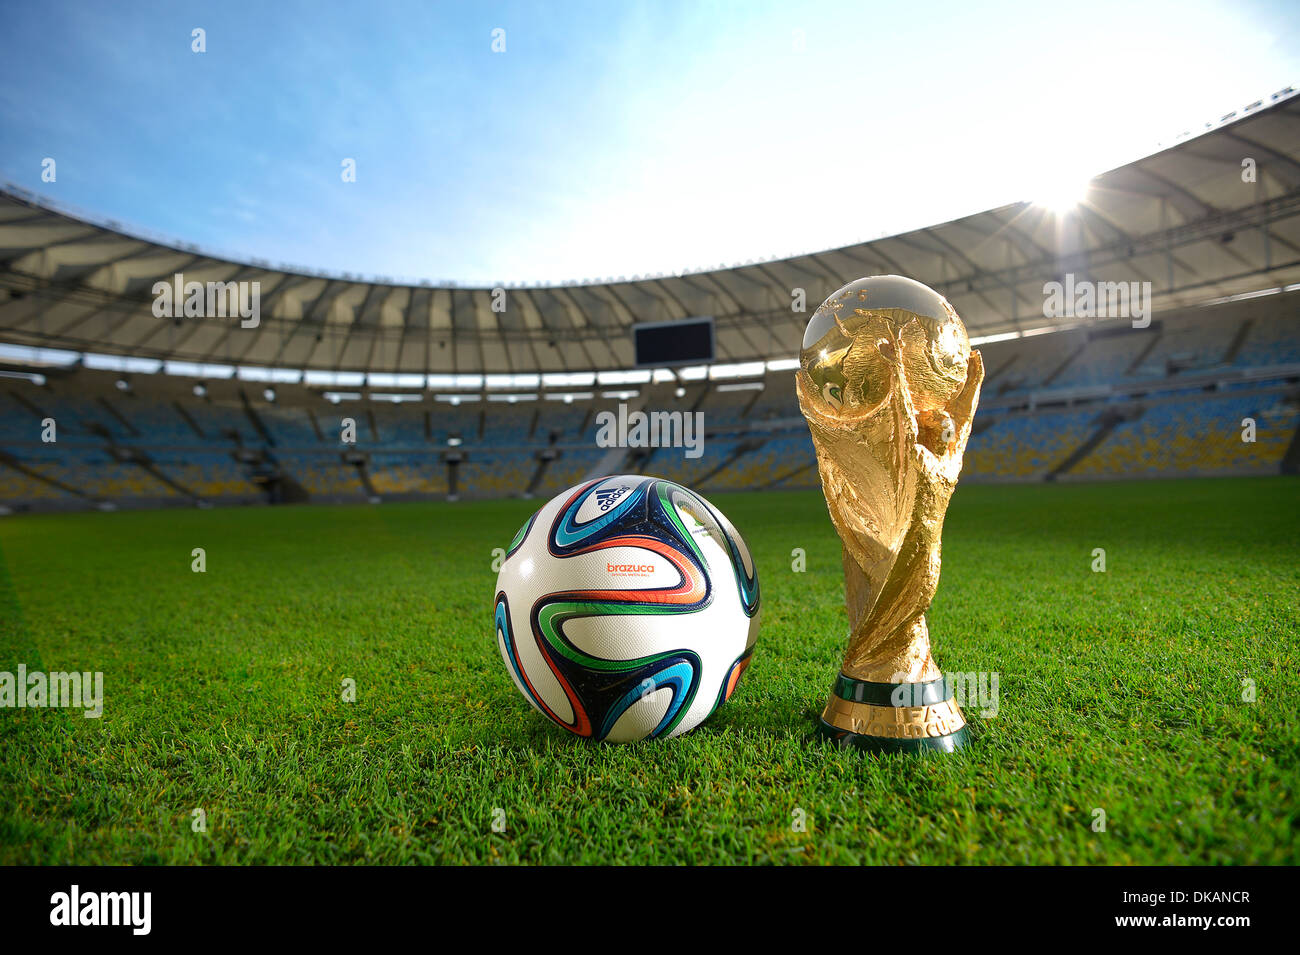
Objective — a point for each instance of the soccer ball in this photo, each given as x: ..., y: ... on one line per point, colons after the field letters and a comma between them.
x: 627, y: 608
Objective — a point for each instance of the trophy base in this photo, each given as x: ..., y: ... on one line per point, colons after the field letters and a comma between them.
x: 893, y: 717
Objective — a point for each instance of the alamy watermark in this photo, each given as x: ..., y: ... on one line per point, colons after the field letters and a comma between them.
x: 181, y: 299
x: 978, y: 691
x: 132, y: 910
x: 36, y: 690
x: 1087, y: 299
x: 654, y: 429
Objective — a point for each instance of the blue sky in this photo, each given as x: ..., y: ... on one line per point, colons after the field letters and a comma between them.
x: 609, y: 139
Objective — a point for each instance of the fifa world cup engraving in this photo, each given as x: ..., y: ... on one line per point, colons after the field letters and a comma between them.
x: 889, y: 384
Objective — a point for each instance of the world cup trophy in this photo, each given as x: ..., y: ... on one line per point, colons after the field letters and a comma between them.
x: 888, y: 384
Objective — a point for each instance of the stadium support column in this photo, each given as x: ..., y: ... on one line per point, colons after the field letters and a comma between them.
x: 453, y: 460
x: 745, y: 447
x: 1108, y: 421
x: 108, y: 406
x: 362, y: 463
x: 1238, y: 340
x: 544, y: 458
x: 315, y: 425
x: 8, y: 460
x: 185, y: 416
x: 258, y: 424
x: 1291, y: 460
x: 135, y: 456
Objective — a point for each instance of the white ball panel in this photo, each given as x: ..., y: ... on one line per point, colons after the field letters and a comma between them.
x: 640, y: 719
x: 746, y: 560
x: 510, y: 668
x: 521, y: 579
x: 628, y: 636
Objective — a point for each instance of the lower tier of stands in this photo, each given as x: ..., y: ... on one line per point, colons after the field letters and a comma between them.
x: 1207, y: 391
x: 1245, y: 431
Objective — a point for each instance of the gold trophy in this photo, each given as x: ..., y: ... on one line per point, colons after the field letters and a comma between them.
x: 888, y: 383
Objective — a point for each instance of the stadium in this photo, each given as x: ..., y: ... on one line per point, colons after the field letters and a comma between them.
x: 234, y: 486
x: 451, y: 398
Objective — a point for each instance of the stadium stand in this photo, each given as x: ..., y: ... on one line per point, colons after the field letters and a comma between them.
x: 1270, y: 341
x: 407, y: 475
x: 290, y: 427
x: 1122, y: 402
x: 1022, y: 446
x: 1198, y: 435
x: 146, y: 415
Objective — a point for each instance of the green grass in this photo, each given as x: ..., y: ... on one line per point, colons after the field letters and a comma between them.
x: 1119, y: 691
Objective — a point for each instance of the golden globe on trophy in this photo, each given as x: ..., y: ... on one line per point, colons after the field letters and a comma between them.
x: 888, y: 384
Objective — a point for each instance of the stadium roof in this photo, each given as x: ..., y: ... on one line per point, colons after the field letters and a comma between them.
x: 1185, y: 219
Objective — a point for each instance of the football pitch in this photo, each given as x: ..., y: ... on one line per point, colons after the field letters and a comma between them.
x: 1159, y: 696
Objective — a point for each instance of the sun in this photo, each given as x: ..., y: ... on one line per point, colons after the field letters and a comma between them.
x: 1062, y: 194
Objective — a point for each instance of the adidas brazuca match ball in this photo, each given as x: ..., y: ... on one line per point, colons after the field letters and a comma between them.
x: 627, y: 608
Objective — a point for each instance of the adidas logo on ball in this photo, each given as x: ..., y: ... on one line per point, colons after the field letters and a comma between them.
x: 605, y: 499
